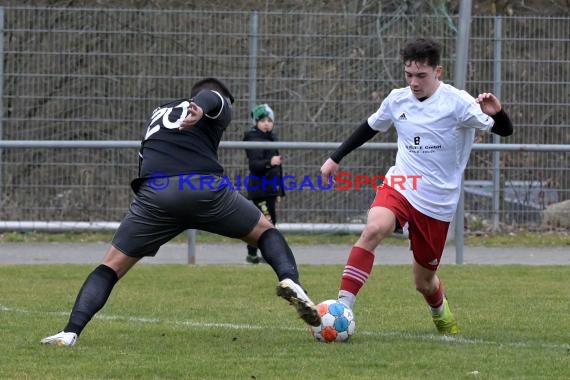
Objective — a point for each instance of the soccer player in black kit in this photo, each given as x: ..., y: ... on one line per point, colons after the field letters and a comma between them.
x: 179, y: 187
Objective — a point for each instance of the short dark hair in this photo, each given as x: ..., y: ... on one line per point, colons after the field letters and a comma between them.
x: 211, y: 84
x: 422, y: 50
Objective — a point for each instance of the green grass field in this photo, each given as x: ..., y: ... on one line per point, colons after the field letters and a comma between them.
x: 224, y: 322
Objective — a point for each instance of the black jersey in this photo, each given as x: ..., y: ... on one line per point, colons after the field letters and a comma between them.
x: 170, y: 151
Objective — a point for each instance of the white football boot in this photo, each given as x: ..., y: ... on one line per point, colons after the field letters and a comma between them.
x: 61, y: 339
x: 292, y: 292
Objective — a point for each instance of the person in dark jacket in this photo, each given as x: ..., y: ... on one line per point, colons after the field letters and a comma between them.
x: 265, y: 170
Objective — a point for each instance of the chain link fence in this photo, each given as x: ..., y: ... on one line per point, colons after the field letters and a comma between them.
x: 95, y: 74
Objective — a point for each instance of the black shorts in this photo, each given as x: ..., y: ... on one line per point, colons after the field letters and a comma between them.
x: 158, y: 215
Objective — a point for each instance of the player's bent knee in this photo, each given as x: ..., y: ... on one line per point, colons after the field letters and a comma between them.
x: 253, y: 236
x: 118, y: 261
x: 264, y: 223
x: 376, y: 232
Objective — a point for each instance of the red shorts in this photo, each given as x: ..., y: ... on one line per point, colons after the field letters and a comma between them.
x: 427, y: 235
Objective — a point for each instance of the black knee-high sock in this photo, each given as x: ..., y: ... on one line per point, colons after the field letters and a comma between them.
x: 91, y: 298
x: 277, y: 253
x: 251, y: 250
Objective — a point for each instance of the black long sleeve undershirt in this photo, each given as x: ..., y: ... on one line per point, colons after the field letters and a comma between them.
x: 503, y: 125
x: 209, y: 101
x: 360, y: 135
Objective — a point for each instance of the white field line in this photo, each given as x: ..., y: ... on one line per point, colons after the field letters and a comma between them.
x: 234, y: 326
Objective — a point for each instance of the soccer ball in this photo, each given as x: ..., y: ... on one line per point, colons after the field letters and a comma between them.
x: 337, y: 322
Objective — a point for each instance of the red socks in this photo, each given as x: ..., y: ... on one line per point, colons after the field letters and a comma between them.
x: 435, y: 300
x: 356, y: 273
x: 357, y: 270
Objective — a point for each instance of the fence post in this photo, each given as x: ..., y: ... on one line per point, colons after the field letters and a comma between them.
x: 191, y: 246
x: 462, y: 54
x: 496, y: 138
x: 253, y: 32
x: 1, y: 98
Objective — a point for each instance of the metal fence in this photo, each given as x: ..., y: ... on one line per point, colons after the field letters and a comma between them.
x: 95, y: 74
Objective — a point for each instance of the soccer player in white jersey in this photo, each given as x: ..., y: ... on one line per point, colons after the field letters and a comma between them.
x: 436, y: 124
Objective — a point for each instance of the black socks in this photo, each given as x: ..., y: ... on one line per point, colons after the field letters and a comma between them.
x: 251, y: 250
x: 91, y: 298
x: 277, y: 253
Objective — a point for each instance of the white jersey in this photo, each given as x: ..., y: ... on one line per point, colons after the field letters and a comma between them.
x: 435, y: 137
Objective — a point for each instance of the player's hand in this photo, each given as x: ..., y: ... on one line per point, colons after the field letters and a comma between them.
x: 489, y: 103
x: 329, y: 169
x: 195, y: 113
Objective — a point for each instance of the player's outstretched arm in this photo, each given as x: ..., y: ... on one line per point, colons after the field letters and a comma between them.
x: 328, y: 170
x: 360, y: 135
x: 489, y: 103
x: 492, y: 107
x: 195, y: 113
x: 208, y: 103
